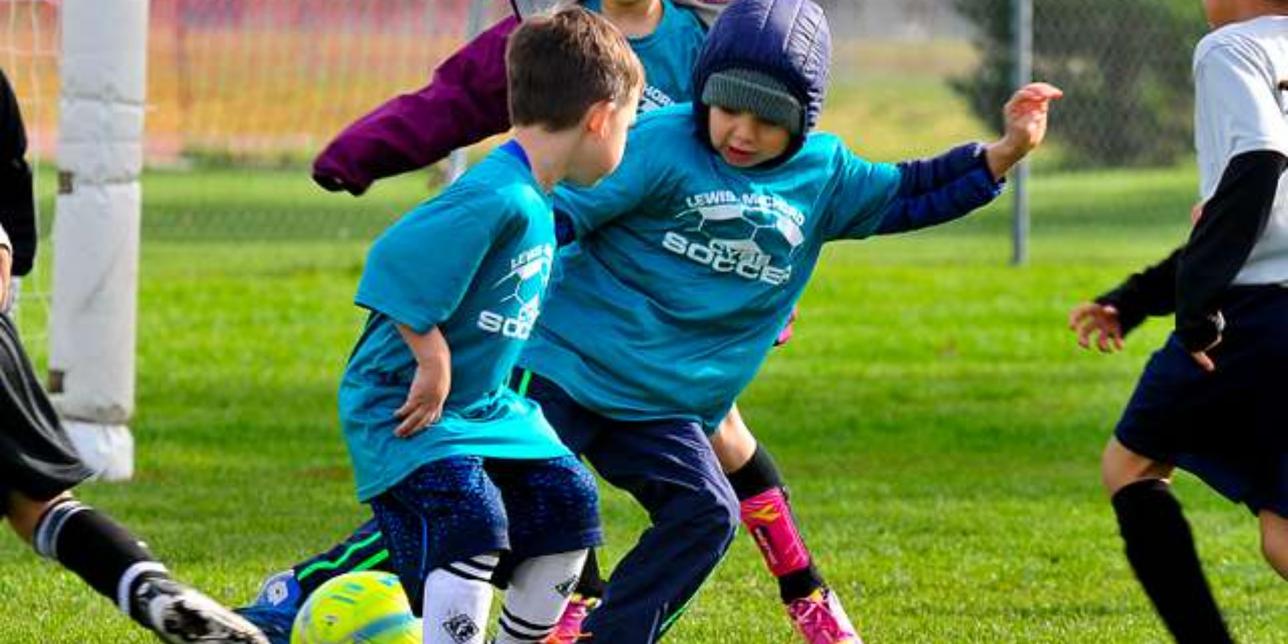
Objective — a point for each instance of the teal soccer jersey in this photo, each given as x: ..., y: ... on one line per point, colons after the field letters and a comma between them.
x: 473, y: 261
x: 668, y: 55
x: 687, y: 268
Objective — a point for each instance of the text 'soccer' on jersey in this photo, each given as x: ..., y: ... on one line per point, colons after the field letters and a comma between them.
x: 521, y: 287
x: 739, y: 234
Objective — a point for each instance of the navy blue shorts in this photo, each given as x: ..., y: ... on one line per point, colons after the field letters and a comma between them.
x: 459, y: 507
x: 1229, y: 427
x: 669, y: 467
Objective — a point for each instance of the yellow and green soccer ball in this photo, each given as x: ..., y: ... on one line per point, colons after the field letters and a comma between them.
x: 357, y: 608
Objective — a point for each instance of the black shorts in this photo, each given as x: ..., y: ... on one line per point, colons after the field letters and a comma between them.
x: 1229, y: 427
x: 36, y: 458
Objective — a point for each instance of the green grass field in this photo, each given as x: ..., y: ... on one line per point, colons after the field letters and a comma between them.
x: 938, y: 427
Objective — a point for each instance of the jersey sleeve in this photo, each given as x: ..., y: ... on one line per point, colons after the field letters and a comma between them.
x: 1241, y: 98
x: 860, y: 196
x: 420, y: 269
x: 639, y: 175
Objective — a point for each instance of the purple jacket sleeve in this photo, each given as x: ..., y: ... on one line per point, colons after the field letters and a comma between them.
x: 464, y: 103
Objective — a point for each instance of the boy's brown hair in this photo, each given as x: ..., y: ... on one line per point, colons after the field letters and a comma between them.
x: 560, y: 64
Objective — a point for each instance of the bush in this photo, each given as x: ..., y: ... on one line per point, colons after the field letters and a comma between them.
x: 1124, y: 66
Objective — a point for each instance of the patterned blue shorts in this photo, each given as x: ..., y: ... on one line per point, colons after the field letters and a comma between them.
x: 463, y: 506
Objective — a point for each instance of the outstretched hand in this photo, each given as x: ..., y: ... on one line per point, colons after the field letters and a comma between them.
x: 1098, y: 322
x: 1026, y: 125
x: 1026, y: 114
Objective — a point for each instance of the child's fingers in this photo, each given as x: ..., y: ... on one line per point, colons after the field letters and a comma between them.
x: 1085, y: 329
x: 405, y: 409
x: 1035, y: 98
x: 1111, y: 338
x: 406, y: 425
x: 1076, y: 314
x: 1090, y: 320
x: 422, y: 416
x: 1043, y: 91
x: 414, y: 423
x: 1022, y: 107
x: 1106, y: 339
x: 1077, y: 321
x: 1081, y: 312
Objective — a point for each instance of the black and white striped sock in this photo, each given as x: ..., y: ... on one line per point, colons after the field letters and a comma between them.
x: 479, y: 568
x: 458, y: 597
x: 537, y: 596
x: 101, y: 551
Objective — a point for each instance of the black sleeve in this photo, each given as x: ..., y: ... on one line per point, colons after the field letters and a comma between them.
x: 1231, y: 223
x: 17, y: 209
x: 1147, y: 293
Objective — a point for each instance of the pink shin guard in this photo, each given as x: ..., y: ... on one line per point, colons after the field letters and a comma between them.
x: 769, y: 520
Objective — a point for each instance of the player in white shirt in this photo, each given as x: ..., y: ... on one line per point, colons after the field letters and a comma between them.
x: 1211, y: 401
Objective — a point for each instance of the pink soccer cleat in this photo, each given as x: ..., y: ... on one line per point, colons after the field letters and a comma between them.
x: 820, y: 619
x: 568, y: 631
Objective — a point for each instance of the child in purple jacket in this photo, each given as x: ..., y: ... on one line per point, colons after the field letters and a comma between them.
x: 408, y: 132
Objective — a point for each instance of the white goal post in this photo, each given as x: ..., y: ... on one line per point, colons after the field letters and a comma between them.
x: 96, y: 228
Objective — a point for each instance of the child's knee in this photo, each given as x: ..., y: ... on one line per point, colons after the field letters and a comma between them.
x: 1119, y: 467
x: 1274, y: 541
x: 733, y: 442
x: 704, y: 515
x: 24, y: 513
x: 723, y: 517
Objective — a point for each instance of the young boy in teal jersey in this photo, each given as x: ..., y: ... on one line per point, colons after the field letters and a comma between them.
x: 456, y: 467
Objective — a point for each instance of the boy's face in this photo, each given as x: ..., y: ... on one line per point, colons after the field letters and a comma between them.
x: 745, y: 140
x: 604, y: 139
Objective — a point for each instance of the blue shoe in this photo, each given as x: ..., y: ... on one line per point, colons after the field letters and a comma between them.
x: 275, y: 623
x: 275, y: 607
x: 280, y: 590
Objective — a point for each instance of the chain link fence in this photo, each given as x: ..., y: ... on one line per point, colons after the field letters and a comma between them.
x: 242, y: 93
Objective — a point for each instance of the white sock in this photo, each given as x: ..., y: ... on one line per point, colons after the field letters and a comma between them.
x: 458, y: 597
x: 537, y: 596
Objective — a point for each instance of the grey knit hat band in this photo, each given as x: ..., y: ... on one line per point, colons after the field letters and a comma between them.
x: 755, y: 92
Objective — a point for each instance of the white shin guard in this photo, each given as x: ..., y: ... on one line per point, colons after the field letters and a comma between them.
x: 458, y: 598
x: 538, y: 594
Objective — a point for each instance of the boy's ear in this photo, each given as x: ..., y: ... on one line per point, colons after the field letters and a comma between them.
x: 598, y: 117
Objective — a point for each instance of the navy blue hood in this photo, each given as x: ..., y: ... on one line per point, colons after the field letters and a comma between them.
x: 787, y: 39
